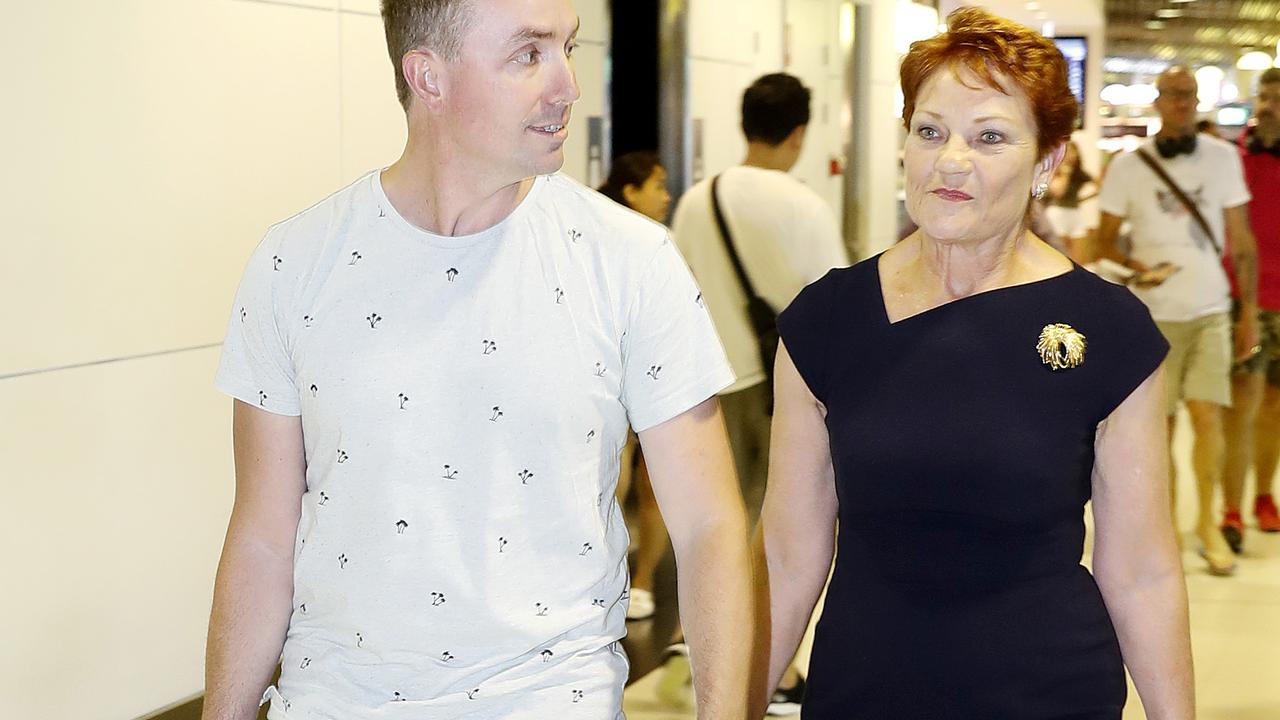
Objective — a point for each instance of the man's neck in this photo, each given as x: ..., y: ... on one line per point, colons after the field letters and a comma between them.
x: 769, y: 157
x: 443, y: 194
x: 1267, y: 134
x: 1174, y: 132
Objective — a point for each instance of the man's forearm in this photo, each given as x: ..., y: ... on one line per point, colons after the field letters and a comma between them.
x: 252, y: 603
x: 714, y: 580
x: 1245, y: 265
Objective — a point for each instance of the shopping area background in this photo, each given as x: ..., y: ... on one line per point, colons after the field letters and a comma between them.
x: 151, y: 143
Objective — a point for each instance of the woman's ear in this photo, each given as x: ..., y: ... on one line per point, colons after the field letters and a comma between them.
x: 1048, y: 165
x: 629, y: 193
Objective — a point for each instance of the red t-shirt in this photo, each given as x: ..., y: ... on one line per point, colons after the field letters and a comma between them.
x: 1262, y: 175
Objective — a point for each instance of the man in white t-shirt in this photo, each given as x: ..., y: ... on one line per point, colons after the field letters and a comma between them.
x: 1180, y: 274
x: 785, y: 235
x: 434, y: 370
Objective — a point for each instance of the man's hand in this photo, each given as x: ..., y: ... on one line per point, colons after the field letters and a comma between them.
x: 1246, y: 335
x: 1155, y: 275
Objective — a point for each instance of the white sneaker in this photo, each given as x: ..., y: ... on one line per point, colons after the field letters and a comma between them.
x: 641, y: 606
x: 675, y: 685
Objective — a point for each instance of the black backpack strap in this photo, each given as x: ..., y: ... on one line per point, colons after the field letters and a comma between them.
x: 747, y: 287
x: 1186, y: 201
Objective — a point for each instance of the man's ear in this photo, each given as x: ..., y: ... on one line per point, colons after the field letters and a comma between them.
x: 424, y: 72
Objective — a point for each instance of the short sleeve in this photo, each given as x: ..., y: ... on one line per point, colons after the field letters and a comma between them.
x: 1113, y: 196
x: 1137, y: 347
x: 672, y: 357
x: 255, y: 365
x: 805, y: 330
x: 1235, y: 191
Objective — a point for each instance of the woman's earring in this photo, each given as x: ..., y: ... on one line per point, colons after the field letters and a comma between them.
x: 1040, y: 190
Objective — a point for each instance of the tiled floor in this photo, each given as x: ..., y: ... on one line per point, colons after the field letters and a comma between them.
x: 1235, y: 628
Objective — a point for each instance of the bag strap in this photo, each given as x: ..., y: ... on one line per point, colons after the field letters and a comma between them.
x: 1182, y: 197
x: 747, y: 287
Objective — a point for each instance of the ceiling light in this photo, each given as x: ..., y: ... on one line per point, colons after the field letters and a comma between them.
x: 1153, y: 24
x: 1168, y: 13
x: 1255, y: 60
x: 1033, y: 6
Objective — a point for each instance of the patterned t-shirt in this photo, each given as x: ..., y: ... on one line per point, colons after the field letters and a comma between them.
x: 464, y: 401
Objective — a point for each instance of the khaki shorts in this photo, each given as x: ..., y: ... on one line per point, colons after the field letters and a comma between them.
x: 1199, y: 362
x: 1266, y: 362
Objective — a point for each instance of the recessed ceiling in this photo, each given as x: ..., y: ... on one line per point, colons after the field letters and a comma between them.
x: 1203, y: 31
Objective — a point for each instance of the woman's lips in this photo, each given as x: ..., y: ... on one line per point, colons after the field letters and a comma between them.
x: 952, y: 195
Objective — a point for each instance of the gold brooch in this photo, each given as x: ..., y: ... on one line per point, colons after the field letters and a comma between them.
x: 1060, y: 346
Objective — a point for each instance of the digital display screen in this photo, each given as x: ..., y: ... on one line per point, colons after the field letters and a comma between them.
x: 1075, y: 50
x: 1233, y: 116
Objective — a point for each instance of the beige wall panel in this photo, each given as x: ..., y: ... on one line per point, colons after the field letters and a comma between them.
x: 159, y: 140
x: 368, y: 7
x: 118, y: 484
x: 373, y: 123
x: 716, y: 99
x: 594, y: 15
x: 589, y: 62
x: 725, y: 29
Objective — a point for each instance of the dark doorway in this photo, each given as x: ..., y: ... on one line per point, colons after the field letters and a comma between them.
x: 633, y: 89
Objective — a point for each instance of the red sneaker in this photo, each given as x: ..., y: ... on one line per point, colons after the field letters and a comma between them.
x: 1264, y: 508
x: 1233, y: 530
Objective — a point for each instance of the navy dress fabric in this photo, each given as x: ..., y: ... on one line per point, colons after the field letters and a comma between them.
x: 962, y: 466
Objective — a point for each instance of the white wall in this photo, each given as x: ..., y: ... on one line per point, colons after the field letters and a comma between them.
x: 148, y: 145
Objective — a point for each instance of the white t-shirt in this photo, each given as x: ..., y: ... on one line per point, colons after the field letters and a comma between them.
x: 1163, y: 231
x: 786, y: 237
x: 464, y: 401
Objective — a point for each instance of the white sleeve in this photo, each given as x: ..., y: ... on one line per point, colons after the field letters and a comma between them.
x: 255, y: 366
x: 828, y: 245
x: 672, y: 358
x: 1113, y: 198
x: 1235, y: 191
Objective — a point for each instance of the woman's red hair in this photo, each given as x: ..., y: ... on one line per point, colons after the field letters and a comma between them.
x: 997, y: 51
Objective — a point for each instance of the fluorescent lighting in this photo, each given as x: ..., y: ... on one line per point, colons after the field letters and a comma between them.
x: 1153, y: 25
x: 1256, y: 60
x: 1033, y: 6
x: 1168, y: 13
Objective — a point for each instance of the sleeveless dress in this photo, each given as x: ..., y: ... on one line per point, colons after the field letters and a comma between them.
x: 962, y: 466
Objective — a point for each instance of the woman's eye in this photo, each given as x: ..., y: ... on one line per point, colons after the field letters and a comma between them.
x: 568, y: 49
x: 991, y: 137
x: 927, y: 133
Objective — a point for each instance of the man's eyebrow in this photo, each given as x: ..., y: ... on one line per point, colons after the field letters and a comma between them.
x: 527, y: 34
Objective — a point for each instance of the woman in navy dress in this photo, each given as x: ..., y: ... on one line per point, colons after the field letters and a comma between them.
x: 953, y: 403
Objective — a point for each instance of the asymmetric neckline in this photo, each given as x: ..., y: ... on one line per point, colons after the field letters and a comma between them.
x: 878, y: 286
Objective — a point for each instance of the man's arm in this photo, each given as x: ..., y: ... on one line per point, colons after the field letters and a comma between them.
x: 1244, y: 261
x: 253, y: 594
x: 693, y: 478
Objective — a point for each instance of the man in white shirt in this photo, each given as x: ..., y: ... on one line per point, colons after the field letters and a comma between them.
x: 1180, y: 273
x: 434, y: 371
x: 785, y: 235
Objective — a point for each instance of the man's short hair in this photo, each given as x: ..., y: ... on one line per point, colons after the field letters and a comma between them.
x: 411, y: 24
x: 773, y: 107
x: 1269, y: 76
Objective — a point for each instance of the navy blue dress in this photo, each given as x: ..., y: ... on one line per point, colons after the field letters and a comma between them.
x: 962, y: 466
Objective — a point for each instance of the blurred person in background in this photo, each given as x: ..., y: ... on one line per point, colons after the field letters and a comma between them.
x: 1186, y: 201
x: 638, y: 181
x: 1068, y: 206
x: 784, y: 236
x: 954, y: 403
x: 1253, y: 421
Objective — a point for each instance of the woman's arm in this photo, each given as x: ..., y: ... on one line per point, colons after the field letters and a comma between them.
x: 795, y: 538
x: 1135, y: 556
